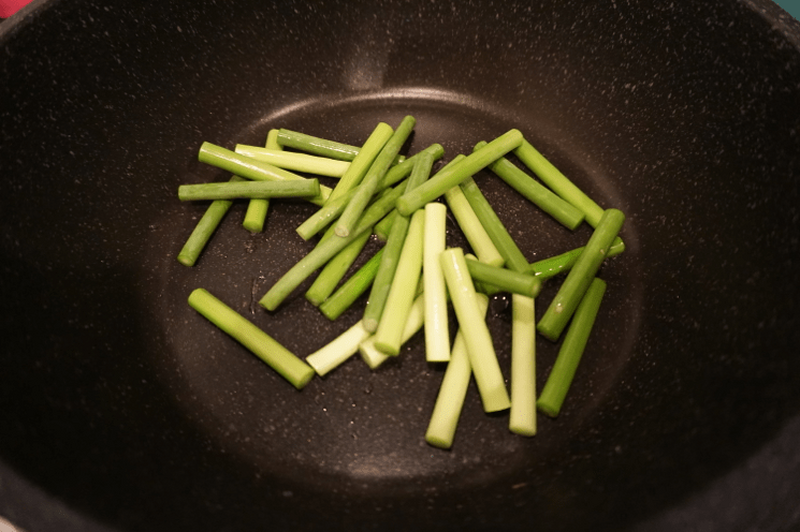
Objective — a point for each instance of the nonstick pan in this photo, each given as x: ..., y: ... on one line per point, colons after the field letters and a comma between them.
x: 122, y: 409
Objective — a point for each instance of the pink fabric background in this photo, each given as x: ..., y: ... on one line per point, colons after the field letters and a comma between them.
x: 9, y: 7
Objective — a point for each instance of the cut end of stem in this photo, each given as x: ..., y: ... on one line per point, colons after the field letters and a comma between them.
x: 438, y: 441
x: 547, y: 408
x: 522, y: 430
x: 370, y: 324
x: 186, y: 260
x: 387, y: 348
x: 268, y: 303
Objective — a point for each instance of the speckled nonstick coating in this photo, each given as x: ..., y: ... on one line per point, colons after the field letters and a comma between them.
x: 122, y: 409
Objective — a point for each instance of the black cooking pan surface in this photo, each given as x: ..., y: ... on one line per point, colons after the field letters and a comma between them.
x: 127, y: 407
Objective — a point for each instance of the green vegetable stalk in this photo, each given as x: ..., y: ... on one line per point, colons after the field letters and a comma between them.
x: 388, y: 336
x: 202, y: 232
x: 252, y: 169
x: 580, y: 276
x: 569, y: 356
x: 306, y: 188
x: 257, y: 341
x: 482, y: 356
x: 453, y: 390
x: 451, y: 176
x: 256, y: 214
x: 437, y: 332
x: 373, y: 176
x: 522, y: 419
x: 558, y: 182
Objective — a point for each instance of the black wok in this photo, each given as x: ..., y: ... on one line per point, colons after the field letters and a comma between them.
x: 122, y: 409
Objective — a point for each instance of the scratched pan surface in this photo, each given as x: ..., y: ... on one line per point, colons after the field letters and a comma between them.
x: 124, y: 410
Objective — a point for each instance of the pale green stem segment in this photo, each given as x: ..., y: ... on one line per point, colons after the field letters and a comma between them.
x: 569, y: 356
x: 437, y: 332
x: 453, y: 390
x: 202, y: 232
x: 357, y: 284
x: 382, y: 283
x: 372, y: 179
x: 296, y: 162
x: 252, y: 169
x: 522, y: 419
x: 384, y: 227
x: 327, y: 248
x: 580, y: 276
x: 392, y: 250
x: 319, y: 146
x: 552, y: 266
x: 257, y: 341
x: 334, y: 208
x: 306, y: 188
x: 471, y: 226
x: 388, y: 336
x: 336, y: 268
x: 561, y: 210
x: 361, y: 163
x: 450, y: 176
x: 482, y: 356
x: 503, y: 279
x: 373, y: 357
x: 340, y: 349
x: 257, y: 209
x: 508, y: 249
x: 558, y: 182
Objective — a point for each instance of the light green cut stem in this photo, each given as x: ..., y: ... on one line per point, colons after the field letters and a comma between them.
x: 316, y: 145
x: 503, y: 279
x: 340, y: 349
x: 257, y: 209
x: 580, y: 276
x: 357, y: 284
x: 453, y: 390
x: 361, y: 163
x: 202, y: 232
x: 252, y: 169
x: 482, y: 356
x: 549, y: 267
x: 569, y: 356
x: 384, y: 227
x: 558, y: 182
x: 423, y: 162
x: 392, y: 250
x: 522, y: 419
x: 306, y: 188
x: 383, y: 278
x: 336, y: 268
x: 476, y: 235
x: 257, y: 341
x: 325, y: 250
x: 319, y: 146
x: 325, y: 215
x: 561, y: 210
x: 508, y: 249
x: 373, y: 357
x: 373, y: 176
x: 334, y: 208
x: 388, y: 337
x: 450, y: 176
x: 437, y: 333
x: 296, y: 162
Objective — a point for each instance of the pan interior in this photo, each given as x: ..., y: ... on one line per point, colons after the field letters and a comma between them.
x: 359, y: 425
